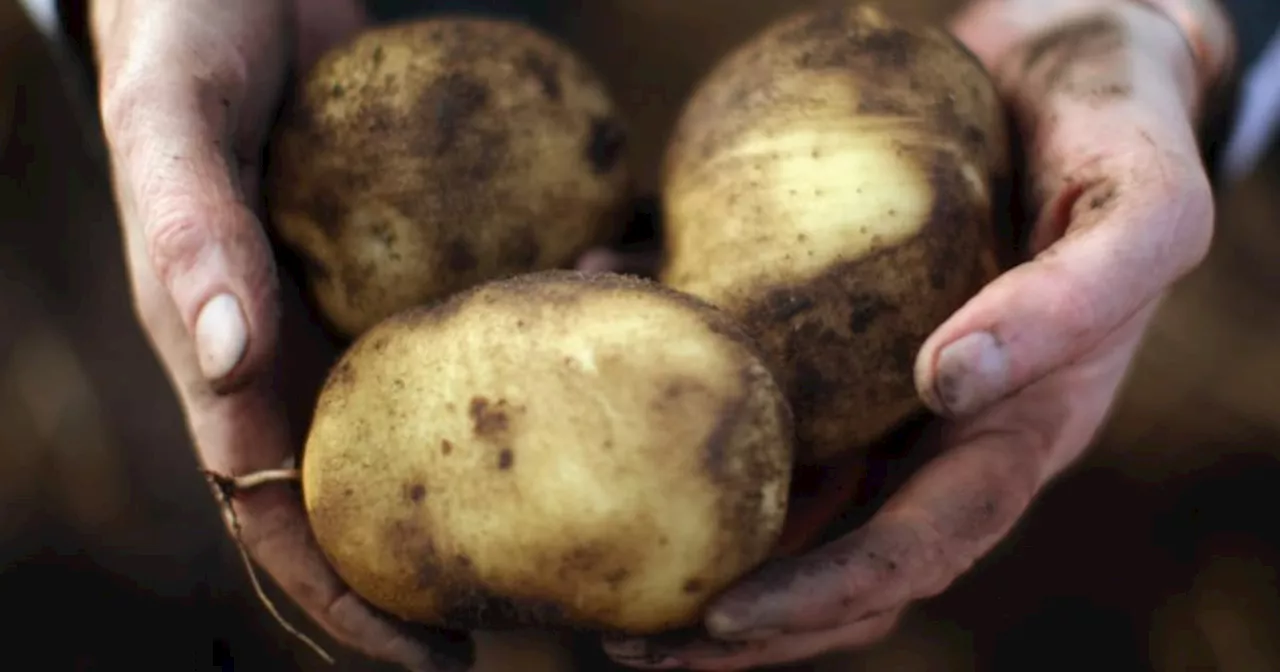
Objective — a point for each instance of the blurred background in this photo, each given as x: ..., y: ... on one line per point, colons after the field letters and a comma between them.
x: 1158, y: 553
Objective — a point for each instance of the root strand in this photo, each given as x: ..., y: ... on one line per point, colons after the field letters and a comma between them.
x: 226, y: 488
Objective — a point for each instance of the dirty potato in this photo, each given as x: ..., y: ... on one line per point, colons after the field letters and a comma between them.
x: 830, y: 185
x: 558, y: 449
x: 422, y: 158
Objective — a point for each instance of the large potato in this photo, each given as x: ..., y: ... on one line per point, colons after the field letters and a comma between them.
x: 423, y: 158
x: 830, y: 185
x: 552, y: 450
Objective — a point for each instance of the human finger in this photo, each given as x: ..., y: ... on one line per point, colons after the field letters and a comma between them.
x: 1124, y: 209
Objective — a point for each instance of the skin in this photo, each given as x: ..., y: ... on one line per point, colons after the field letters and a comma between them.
x: 1106, y: 96
x: 1120, y: 210
x: 188, y: 91
x: 491, y: 462
x: 423, y: 158
x: 840, y: 240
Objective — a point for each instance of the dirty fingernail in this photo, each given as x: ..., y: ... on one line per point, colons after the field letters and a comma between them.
x: 971, y: 373
x: 221, y: 336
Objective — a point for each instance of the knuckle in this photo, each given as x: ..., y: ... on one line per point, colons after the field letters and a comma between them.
x: 122, y: 104
x: 175, y: 245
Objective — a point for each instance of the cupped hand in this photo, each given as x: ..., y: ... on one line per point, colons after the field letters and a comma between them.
x: 1026, y: 371
x: 188, y: 93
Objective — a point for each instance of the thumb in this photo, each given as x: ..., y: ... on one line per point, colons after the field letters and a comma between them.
x: 1124, y: 207
x: 184, y: 205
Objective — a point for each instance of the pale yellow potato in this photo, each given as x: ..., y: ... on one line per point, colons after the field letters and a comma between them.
x: 425, y: 157
x: 558, y: 449
x: 830, y: 185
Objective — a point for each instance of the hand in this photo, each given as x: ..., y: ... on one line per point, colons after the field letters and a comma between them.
x: 188, y: 93
x: 1025, y: 372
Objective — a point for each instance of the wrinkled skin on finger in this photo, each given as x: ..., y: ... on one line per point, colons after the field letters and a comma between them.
x: 1023, y: 375
x: 188, y: 92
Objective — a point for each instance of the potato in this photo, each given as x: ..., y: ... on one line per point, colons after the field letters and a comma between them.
x: 829, y: 184
x: 423, y: 158
x: 554, y: 450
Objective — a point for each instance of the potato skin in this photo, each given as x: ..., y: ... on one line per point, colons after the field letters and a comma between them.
x: 555, y: 450
x: 830, y: 185
x: 425, y: 157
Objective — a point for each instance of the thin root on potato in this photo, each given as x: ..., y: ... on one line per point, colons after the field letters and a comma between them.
x: 226, y: 488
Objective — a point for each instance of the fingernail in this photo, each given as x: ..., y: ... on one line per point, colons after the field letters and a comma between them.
x: 971, y: 373
x: 221, y: 336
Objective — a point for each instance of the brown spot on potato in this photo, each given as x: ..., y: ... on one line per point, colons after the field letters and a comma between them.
x: 416, y: 492
x: 459, y: 256
x: 505, y: 459
x: 864, y: 310
x: 455, y: 99
x: 545, y: 72
x: 446, y: 447
x: 607, y: 141
x: 328, y: 211
x: 473, y: 609
x: 488, y: 419
x: 786, y: 304
x: 343, y: 375
x: 616, y: 578
x: 693, y: 586
x: 521, y: 249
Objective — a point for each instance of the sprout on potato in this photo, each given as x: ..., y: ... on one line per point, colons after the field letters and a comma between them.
x: 830, y: 184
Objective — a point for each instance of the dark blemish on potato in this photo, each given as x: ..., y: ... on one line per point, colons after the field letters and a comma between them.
x: 343, y: 375
x: 315, y: 269
x: 446, y: 447
x: 328, y: 211
x: 547, y: 74
x: 714, y: 451
x: 937, y: 277
x: 874, y: 105
x: 416, y: 492
x: 487, y: 419
x: 378, y: 56
x: 456, y: 98
x: 785, y: 305
x: 459, y: 257
x: 606, y: 143
x: 520, y: 249
x: 384, y: 233
x: 580, y: 560
x: 463, y: 560
x: 811, y: 385
x: 505, y: 459
x: 864, y: 310
x: 693, y: 586
x: 475, y: 608
x: 616, y: 578
x: 337, y: 91
x: 1092, y: 43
